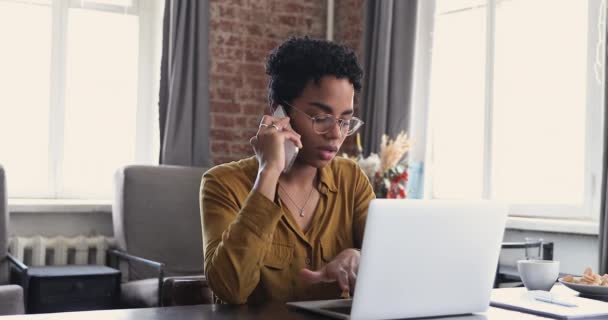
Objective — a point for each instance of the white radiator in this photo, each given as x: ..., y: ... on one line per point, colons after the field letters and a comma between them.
x: 41, y: 251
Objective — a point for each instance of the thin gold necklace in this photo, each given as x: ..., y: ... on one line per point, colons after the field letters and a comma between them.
x: 300, y: 209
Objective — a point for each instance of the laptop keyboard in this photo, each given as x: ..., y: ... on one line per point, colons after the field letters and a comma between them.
x: 343, y: 310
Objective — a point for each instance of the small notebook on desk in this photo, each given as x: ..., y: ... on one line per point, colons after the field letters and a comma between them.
x: 518, y: 299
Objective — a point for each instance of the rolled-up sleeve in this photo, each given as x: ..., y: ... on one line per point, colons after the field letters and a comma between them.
x: 235, y: 238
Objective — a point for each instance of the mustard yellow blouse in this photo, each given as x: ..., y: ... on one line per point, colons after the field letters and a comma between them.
x: 254, y: 248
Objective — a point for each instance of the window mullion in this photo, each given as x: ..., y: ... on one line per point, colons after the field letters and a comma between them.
x: 594, y: 114
x: 145, y: 82
x: 489, y: 99
x: 57, y: 94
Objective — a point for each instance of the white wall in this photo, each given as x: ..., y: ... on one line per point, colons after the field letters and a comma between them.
x: 61, y: 223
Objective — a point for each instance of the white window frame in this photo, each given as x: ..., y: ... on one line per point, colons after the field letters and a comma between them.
x: 422, y: 118
x: 150, y: 15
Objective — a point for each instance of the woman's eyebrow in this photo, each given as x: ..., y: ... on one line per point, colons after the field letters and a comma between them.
x: 327, y: 108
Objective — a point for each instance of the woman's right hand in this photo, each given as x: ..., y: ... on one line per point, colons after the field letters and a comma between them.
x: 269, y: 143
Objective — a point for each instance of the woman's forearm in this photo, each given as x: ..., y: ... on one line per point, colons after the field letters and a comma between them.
x: 266, y: 183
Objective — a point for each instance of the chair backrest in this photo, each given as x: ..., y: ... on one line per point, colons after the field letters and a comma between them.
x: 509, y: 273
x: 545, y: 248
x: 3, y: 228
x: 156, y: 216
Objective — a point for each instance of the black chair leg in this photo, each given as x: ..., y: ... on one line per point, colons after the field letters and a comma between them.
x: 497, y: 277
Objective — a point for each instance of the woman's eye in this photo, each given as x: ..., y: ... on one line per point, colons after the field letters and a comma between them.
x: 325, y: 119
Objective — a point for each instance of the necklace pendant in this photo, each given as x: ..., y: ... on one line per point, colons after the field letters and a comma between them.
x: 302, y: 212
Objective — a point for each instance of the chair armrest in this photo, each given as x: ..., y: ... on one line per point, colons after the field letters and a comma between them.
x: 18, y: 272
x: 125, y: 256
x: 12, y: 300
x: 16, y: 262
x: 186, y: 290
x: 121, y: 255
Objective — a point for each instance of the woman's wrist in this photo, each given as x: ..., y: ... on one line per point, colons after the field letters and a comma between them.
x: 269, y: 173
x: 266, y: 182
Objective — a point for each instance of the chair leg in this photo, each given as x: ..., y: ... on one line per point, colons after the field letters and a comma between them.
x: 548, y: 251
x: 497, y: 277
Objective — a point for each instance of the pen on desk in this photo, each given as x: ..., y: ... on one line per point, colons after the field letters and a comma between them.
x: 561, y: 303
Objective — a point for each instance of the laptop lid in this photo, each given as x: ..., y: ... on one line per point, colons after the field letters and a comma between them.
x: 425, y: 258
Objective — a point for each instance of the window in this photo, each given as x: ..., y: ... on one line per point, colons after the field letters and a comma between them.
x: 515, y: 104
x: 80, y: 83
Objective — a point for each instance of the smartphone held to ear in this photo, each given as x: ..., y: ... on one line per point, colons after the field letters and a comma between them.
x: 291, y: 151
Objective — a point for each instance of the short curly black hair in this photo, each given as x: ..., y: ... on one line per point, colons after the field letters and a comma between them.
x: 298, y: 60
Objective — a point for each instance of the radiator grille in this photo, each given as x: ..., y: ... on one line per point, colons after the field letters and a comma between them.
x: 42, y: 251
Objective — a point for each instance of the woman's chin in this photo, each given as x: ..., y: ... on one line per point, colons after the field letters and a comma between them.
x: 315, y: 162
x: 320, y: 163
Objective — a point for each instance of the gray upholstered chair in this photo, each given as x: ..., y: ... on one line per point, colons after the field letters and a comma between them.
x: 157, y: 226
x: 11, y: 296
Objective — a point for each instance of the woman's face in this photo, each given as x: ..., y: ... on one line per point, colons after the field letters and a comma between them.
x: 331, y: 96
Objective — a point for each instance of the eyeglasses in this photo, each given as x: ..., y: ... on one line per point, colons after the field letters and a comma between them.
x: 325, y: 123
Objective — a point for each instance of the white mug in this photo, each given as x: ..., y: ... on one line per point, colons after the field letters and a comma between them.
x: 538, y: 274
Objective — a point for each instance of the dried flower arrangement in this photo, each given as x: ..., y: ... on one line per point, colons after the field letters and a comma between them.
x: 387, y: 171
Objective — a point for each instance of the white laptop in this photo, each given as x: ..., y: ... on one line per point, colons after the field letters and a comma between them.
x: 423, y: 259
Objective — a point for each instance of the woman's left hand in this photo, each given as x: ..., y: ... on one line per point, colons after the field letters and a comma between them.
x: 342, y: 269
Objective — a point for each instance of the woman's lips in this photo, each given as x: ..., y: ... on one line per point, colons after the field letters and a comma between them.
x: 327, y: 153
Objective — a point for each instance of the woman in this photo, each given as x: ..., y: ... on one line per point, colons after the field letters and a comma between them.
x: 271, y: 235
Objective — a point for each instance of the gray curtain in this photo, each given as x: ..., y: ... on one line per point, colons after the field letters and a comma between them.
x: 603, y: 240
x: 184, y: 83
x: 389, y: 43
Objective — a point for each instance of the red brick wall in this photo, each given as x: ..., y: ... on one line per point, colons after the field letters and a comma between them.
x: 348, y: 24
x: 348, y: 30
x: 242, y: 34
